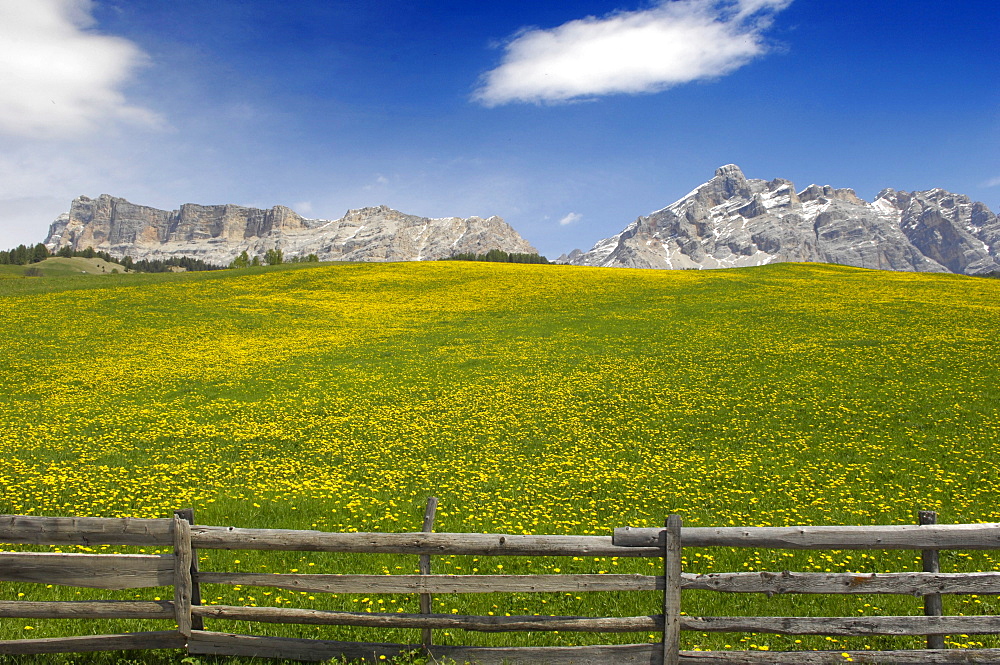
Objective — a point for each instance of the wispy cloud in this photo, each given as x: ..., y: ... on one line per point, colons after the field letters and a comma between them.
x: 630, y: 52
x: 59, y: 78
x: 570, y: 218
x: 992, y: 182
x: 379, y: 183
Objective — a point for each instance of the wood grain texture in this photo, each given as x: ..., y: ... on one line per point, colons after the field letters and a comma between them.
x: 183, y: 585
x: 87, y: 609
x: 439, y: 583
x: 886, y: 537
x: 887, y: 625
x: 318, y: 650
x: 624, y: 654
x: 875, y: 625
x: 187, y: 514
x: 167, y: 639
x: 97, y: 571
x: 426, y: 634
x: 491, y: 624
x: 915, y: 657
x: 933, y: 606
x: 913, y: 584
x: 672, y: 591
x: 32, y: 530
x: 232, y: 538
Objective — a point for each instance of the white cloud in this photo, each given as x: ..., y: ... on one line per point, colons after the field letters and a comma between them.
x: 992, y: 182
x: 59, y: 78
x: 630, y: 52
x: 380, y: 183
x: 570, y: 218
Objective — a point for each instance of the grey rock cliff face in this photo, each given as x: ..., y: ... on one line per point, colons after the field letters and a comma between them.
x: 732, y: 221
x: 219, y: 233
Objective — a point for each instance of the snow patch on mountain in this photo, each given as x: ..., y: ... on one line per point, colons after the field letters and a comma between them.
x: 732, y: 221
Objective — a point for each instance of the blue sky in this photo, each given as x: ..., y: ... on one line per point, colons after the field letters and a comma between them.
x: 568, y: 119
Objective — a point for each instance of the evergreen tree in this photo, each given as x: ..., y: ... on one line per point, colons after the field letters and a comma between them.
x: 499, y: 256
x: 241, y: 261
x: 274, y: 257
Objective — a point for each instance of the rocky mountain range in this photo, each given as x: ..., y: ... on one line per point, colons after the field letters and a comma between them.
x: 732, y: 221
x: 218, y: 233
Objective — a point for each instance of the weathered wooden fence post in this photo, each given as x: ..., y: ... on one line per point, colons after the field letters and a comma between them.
x: 672, y: 591
x: 197, y: 623
x: 933, y: 606
x: 182, y: 575
x: 426, y: 638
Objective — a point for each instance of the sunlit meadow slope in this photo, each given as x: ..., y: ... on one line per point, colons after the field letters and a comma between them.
x: 530, y: 399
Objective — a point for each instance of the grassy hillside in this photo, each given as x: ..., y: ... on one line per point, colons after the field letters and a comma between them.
x: 58, y: 266
x: 530, y: 399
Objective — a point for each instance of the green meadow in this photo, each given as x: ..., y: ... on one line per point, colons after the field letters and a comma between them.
x: 528, y: 399
x: 58, y: 266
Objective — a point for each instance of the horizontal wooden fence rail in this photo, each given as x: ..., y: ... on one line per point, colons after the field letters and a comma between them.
x: 99, y: 571
x: 87, y: 609
x: 439, y: 583
x: 904, y: 584
x: 890, y: 537
x: 627, y: 654
x: 162, y: 639
x: 30, y: 530
x: 477, y: 544
x: 178, y: 570
x: 488, y: 624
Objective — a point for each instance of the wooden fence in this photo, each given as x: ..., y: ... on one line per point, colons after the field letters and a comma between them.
x: 180, y: 571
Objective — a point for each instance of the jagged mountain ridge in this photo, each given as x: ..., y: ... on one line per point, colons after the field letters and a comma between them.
x: 732, y: 221
x: 218, y: 233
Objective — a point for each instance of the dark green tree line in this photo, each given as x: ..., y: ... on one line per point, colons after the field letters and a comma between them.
x: 499, y: 256
x: 22, y: 255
